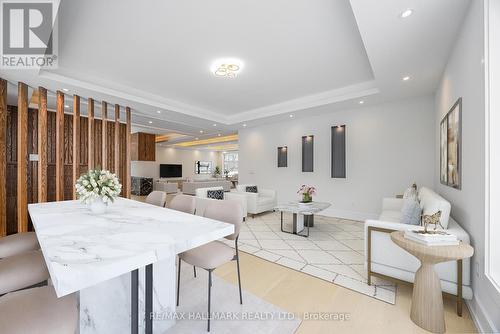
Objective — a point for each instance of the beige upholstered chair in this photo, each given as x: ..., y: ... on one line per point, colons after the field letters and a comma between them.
x: 157, y: 198
x: 184, y: 203
x: 216, y: 253
x: 18, y: 243
x: 22, y: 270
x: 38, y: 311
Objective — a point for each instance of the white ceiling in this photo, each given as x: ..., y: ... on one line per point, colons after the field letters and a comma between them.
x: 156, y: 55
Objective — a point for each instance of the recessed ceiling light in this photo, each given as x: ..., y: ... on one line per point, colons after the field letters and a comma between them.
x: 361, y: 102
x: 158, y: 111
x: 218, y: 135
x: 201, y: 131
x: 150, y: 122
x: 66, y: 89
x: 406, y: 13
x: 406, y: 78
x: 244, y: 125
x: 197, y: 138
x: 215, y: 124
x: 291, y: 115
x: 227, y: 67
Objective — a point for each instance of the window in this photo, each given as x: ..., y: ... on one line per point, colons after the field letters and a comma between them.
x: 492, y: 104
x: 231, y: 163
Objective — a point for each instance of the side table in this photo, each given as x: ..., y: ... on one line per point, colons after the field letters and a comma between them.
x: 427, y: 300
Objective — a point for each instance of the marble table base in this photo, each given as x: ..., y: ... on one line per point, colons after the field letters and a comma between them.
x: 106, y: 307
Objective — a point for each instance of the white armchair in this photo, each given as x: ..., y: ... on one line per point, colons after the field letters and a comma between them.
x: 386, y: 260
x: 202, y: 200
x: 263, y: 200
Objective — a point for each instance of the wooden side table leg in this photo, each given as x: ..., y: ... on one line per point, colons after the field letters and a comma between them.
x: 459, y: 288
x: 427, y: 303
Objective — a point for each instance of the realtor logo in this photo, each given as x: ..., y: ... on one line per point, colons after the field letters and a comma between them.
x: 29, y: 34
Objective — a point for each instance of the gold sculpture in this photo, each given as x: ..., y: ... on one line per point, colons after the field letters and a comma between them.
x: 432, y: 219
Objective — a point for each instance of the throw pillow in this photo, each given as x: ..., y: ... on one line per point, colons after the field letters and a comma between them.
x: 411, y: 192
x: 215, y: 194
x: 411, y: 212
x: 251, y: 189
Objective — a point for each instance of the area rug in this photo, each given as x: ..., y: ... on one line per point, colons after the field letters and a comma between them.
x: 254, y: 316
x: 334, y: 251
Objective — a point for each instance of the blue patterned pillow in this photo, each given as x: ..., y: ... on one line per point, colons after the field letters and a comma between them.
x: 251, y: 189
x: 215, y: 194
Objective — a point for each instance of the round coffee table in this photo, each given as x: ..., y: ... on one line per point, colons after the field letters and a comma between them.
x: 427, y: 301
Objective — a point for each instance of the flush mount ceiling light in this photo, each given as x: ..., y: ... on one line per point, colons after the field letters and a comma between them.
x: 406, y: 13
x: 227, y: 68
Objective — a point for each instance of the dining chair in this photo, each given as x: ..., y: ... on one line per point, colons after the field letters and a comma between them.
x: 38, y: 310
x: 215, y: 253
x: 184, y: 203
x: 157, y: 198
x: 22, y: 271
x: 18, y: 243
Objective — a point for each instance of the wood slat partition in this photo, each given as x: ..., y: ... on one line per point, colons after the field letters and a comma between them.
x: 128, y: 140
x: 104, y: 132
x: 22, y: 157
x: 3, y: 157
x: 60, y: 146
x: 90, y: 137
x: 76, y: 141
x: 42, y: 144
x: 117, y: 140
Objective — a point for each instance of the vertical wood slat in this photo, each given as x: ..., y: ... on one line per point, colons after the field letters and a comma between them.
x: 104, y: 133
x: 60, y: 146
x: 3, y: 157
x: 76, y: 141
x: 91, y: 141
x: 22, y: 157
x: 128, y: 140
x: 117, y: 140
x: 42, y: 144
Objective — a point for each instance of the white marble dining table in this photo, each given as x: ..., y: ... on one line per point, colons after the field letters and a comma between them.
x: 108, y: 259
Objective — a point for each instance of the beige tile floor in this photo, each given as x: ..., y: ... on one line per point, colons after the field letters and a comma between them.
x: 299, y: 293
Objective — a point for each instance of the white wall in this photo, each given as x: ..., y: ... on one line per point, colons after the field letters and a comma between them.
x: 169, y: 155
x: 388, y: 147
x: 464, y: 77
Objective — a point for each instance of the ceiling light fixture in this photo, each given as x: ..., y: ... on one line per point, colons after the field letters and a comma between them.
x: 291, y: 115
x: 218, y: 135
x: 244, y: 125
x: 215, y: 124
x: 201, y: 131
x: 227, y: 67
x: 66, y: 89
x: 66, y: 106
x: 158, y: 111
x: 150, y: 122
x: 406, y: 78
x: 361, y: 102
x: 406, y: 13
x: 197, y: 138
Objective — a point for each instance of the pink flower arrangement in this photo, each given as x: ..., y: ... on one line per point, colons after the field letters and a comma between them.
x: 309, y: 190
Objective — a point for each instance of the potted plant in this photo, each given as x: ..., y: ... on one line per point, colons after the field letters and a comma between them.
x: 307, y: 192
x: 217, y: 171
x: 97, y: 188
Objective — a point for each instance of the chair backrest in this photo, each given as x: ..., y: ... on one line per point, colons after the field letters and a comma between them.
x: 157, y: 198
x: 228, y: 212
x: 202, y: 192
x: 184, y: 203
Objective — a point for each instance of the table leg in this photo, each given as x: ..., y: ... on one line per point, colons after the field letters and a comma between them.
x: 134, y: 303
x: 149, y: 299
x: 427, y: 302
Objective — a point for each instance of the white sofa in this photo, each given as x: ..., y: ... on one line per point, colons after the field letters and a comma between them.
x: 189, y: 188
x: 168, y: 187
x: 262, y: 201
x: 202, y: 201
x: 386, y: 260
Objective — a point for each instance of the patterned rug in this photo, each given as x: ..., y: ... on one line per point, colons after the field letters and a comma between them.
x: 334, y: 251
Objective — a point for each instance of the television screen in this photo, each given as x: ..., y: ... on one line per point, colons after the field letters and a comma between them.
x: 169, y: 170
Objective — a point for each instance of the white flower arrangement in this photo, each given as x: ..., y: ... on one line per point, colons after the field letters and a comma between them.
x: 98, y: 184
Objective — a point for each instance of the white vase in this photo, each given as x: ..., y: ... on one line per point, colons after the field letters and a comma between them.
x: 98, y: 206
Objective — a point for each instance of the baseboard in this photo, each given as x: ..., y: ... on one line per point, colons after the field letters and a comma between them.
x: 346, y: 214
x: 480, y: 318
